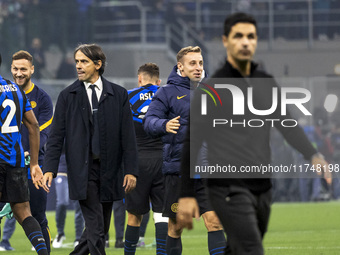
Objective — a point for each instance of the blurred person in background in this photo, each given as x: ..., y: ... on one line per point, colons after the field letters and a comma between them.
x: 62, y: 202
x: 38, y: 54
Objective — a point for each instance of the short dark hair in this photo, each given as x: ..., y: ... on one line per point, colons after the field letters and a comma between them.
x: 93, y: 52
x: 187, y: 50
x: 150, y: 69
x: 22, y: 54
x: 238, y: 17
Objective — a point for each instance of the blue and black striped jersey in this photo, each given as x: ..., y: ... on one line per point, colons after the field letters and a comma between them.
x: 140, y: 99
x: 13, y: 105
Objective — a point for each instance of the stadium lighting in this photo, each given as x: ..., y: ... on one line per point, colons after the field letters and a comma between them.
x: 331, y: 102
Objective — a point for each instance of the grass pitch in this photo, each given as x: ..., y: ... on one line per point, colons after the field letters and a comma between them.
x: 294, y: 229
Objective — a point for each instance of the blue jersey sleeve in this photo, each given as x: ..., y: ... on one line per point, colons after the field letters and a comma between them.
x: 28, y: 106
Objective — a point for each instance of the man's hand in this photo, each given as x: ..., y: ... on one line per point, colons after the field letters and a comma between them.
x: 319, y: 161
x: 38, y: 178
x: 187, y: 209
x: 129, y: 183
x: 172, y: 125
x: 48, y: 177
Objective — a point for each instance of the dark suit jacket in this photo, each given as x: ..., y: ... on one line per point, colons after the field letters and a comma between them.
x: 73, y: 122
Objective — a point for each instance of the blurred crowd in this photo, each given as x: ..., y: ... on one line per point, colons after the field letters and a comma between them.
x: 67, y: 23
x: 51, y: 21
x: 324, y: 134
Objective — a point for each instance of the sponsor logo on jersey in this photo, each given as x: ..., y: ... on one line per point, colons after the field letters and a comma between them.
x: 146, y: 96
x: 8, y: 88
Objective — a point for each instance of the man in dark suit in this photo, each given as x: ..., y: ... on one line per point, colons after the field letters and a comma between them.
x: 99, y: 143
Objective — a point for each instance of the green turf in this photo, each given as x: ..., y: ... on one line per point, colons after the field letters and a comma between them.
x: 295, y: 228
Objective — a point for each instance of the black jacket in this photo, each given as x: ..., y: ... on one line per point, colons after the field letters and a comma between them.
x: 72, y: 122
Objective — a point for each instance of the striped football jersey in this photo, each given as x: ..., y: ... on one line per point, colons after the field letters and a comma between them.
x: 13, y: 105
x: 140, y: 99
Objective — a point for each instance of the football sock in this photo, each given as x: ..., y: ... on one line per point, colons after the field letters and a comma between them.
x: 173, y: 246
x: 47, y: 236
x: 34, y: 234
x: 131, y: 240
x: 144, y: 224
x: 216, y: 242
x: 161, y: 234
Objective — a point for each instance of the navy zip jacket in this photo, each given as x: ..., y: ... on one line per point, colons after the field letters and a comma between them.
x: 170, y: 101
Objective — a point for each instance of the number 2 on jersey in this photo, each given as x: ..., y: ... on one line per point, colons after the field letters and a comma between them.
x: 6, y: 128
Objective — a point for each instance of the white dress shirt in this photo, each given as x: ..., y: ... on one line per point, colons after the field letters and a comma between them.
x: 98, y: 88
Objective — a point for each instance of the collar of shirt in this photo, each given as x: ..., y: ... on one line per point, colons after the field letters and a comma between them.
x: 30, y: 90
x: 98, y: 88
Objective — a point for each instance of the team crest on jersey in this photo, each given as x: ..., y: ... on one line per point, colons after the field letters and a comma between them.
x: 33, y: 104
x: 174, y: 207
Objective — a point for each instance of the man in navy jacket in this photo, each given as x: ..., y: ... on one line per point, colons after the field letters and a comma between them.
x: 168, y: 116
x: 96, y: 176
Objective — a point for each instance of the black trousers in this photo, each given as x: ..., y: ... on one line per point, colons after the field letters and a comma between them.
x: 119, y: 218
x: 244, y: 217
x: 97, y: 217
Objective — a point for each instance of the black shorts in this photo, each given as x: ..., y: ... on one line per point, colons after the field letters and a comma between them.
x: 149, y: 188
x: 13, y: 184
x: 172, y: 195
